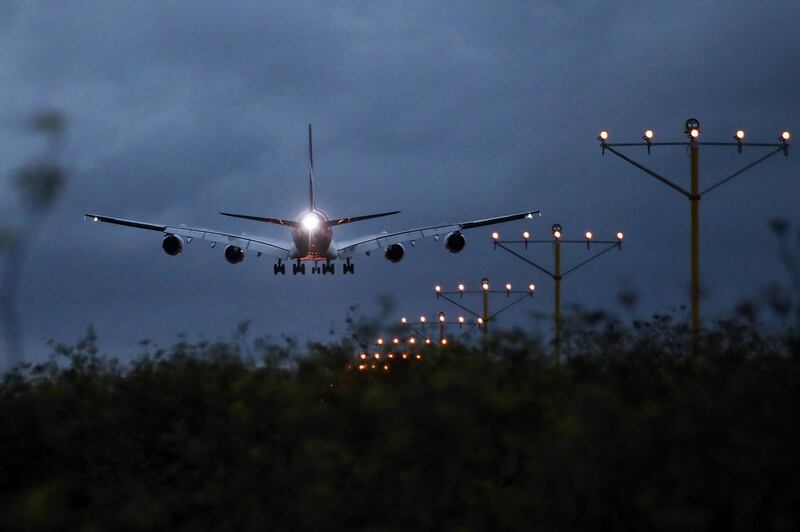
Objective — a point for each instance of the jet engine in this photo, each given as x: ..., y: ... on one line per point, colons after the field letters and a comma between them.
x: 172, y: 244
x: 234, y: 254
x: 394, y: 252
x: 455, y: 242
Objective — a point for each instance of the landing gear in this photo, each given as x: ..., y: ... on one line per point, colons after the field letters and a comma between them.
x: 328, y: 267
x: 348, y: 267
x: 298, y: 267
x: 279, y: 268
x: 315, y: 268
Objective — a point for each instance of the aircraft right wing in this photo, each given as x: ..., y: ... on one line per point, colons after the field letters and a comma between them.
x: 370, y: 243
x: 246, y: 242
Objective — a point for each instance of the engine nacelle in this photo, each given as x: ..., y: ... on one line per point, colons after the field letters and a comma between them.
x: 455, y: 242
x: 394, y: 252
x: 234, y: 254
x: 172, y: 244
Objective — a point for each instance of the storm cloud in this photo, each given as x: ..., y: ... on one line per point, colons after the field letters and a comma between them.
x: 447, y: 111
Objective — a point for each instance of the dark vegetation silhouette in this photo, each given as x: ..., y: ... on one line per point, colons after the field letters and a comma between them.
x: 629, y: 433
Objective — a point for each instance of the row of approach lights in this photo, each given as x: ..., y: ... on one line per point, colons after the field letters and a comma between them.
x: 377, y: 361
x: 441, y: 318
x: 558, y: 234
x: 694, y: 132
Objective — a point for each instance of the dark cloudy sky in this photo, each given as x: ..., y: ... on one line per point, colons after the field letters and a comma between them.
x: 450, y: 111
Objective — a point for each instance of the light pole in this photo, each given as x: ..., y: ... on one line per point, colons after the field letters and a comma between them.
x: 557, y: 275
x: 694, y: 194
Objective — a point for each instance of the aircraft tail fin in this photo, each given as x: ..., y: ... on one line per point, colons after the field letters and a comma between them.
x: 310, y: 170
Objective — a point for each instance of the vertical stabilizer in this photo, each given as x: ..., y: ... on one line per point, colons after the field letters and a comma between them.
x: 310, y: 170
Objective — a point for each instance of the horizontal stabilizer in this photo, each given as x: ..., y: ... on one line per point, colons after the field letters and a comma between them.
x: 351, y: 219
x: 276, y: 221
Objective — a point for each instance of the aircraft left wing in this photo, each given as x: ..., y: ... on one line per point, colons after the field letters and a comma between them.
x: 246, y: 242
x: 370, y: 243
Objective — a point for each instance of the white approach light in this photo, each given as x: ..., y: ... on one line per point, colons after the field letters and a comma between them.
x: 311, y: 221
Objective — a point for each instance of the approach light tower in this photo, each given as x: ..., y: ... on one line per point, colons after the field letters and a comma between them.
x: 557, y: 275
x: 694, y: 194
x: 484, y: 317
x: 441, y: 321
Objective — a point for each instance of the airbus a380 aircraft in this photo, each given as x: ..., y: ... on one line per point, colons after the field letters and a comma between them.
x: 312, y: 236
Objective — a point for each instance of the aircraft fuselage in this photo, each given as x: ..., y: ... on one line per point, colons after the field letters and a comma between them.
x: 313, y: 237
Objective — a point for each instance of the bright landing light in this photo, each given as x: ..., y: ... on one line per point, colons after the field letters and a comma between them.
x: 311, y: 221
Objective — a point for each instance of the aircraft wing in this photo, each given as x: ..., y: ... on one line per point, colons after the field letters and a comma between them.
x: 366, y: 244
x: 250, y: 243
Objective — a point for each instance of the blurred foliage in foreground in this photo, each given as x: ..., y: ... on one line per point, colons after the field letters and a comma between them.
x: 628, y: 434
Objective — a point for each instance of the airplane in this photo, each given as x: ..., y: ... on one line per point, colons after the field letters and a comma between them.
x: 312, y: 236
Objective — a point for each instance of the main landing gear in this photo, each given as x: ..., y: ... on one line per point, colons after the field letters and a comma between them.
x: 280, y: 267
x: 326, y: 268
